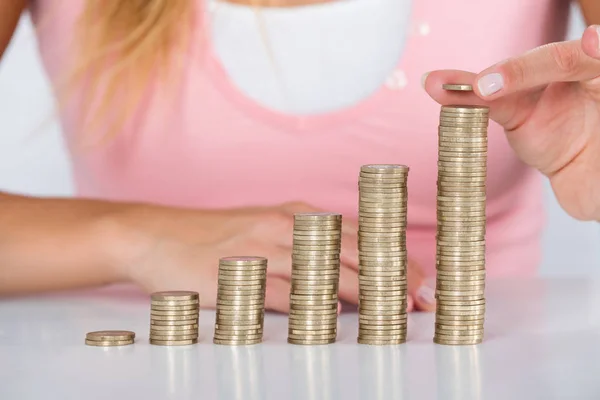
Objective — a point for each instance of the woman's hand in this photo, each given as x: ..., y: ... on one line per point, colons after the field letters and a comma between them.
x: 167, y: 249
x: 548, y: 101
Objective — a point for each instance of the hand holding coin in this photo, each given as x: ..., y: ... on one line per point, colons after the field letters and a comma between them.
x: 548, y: 101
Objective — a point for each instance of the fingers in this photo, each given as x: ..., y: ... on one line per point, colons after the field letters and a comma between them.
x: 348, y: 287
x: 510, y: 111
x: 277, y: 297
x: 590, y: 41
x: 420, y: 289
x: 555, y: 62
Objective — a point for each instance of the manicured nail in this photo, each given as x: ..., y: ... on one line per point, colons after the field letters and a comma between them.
x: 426, y: 293
x: 423, y: 79
x: 490, y: 84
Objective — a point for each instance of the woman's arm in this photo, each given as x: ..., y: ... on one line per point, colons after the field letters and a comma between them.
x: 10, y: 11
x: 49, y: 244
x: 591, y: 11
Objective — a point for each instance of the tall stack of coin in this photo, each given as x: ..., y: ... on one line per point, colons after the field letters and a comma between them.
x: 315, y: 278
x: 240, y: 300
x: 109, y: 338
x: 461, y: 206
x: 174, y: 318
x: 382, y: 254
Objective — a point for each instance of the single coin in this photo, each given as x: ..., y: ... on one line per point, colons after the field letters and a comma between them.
x: 239, y: 329
x: 385, y: 169
x: 108, y: 343
x: 458, y: 87
x: 173, y: 319
x: 238, y: 338
x: 173, y: 342
x: 174, y: 313
x: 174, y: 295
x: 110, y: 335
x: 173, y: 333
x: 310, y: 342
x: 383, y: 342
x: 172, y: 323
x: 175, y: 337
x: 318, y: 216
x: 182, y: 328
x: 237, y: 342
x: 175, y: 303
x: 182, y: 308
x: 243, y: 260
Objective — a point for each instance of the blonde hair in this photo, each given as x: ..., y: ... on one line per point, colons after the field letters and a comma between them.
x: 121, y: 44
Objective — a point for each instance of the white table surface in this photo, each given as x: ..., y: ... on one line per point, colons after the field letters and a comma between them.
x: 542, y: 342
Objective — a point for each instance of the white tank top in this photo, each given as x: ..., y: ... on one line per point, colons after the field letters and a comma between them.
x: 310, y: 59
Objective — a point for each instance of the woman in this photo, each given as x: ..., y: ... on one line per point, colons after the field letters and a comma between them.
x: 212, y: 123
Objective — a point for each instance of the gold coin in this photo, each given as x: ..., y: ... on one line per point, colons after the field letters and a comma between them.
x: 173, y: 303
x: 181, y: 308
x: 108, y: 343
x: 183, y: 328
x: 173, y: 342
x: 318, y: 216
x: 458, y: 87
x: 383, y: 342
x: 184, y: 319
x: 176, y: 313
x: 110, y: 335
x: 227, y: 342
x: 173, y: 323
x: 239, y: 329
x: 310, y: 342
x: 244, y: 260
x: 385, y: 169
x: 174, y: 337
x: 239, y: 338
x: 174, y: 295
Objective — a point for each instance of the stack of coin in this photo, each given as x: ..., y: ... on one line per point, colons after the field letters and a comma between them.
x: 241, y: 300
x: 382, y: 254
x: 315, y: 278
x: 461, y: 208
x: 174, y: 318
x: 109, y: 338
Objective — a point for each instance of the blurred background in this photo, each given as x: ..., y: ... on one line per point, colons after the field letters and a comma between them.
x: 33, y: 159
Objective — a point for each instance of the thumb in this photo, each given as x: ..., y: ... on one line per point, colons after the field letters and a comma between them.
x: 420, y: 288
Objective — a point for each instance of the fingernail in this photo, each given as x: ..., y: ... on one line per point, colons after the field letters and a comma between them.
x: 339, y: 308
x: 423, y: 79
x: 490, y: 84
x: 426, y: 293
x: 598, y: 33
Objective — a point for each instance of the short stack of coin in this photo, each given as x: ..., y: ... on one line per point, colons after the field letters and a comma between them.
x: 109, y: 338
x: 241, y: 300
x: 382, y: 254
x: 461, y: 207
x: 315, y: 278
x: 174, y: 318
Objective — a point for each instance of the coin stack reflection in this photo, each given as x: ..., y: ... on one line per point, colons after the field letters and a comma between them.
x: 240, y: 300
x: 315, y: 278
x: 382, y: 254
x: 461, y: 225
x: 174, y: 318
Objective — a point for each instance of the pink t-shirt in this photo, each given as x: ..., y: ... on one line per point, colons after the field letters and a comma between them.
x: 213, y: 147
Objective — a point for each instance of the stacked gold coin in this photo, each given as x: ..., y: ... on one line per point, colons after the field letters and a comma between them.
x: 109, y: 338
x: 315, y: 278
x: 461, y: 206
x: 382, y: 254
x: 174, y: 318
x: 241, y: 300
